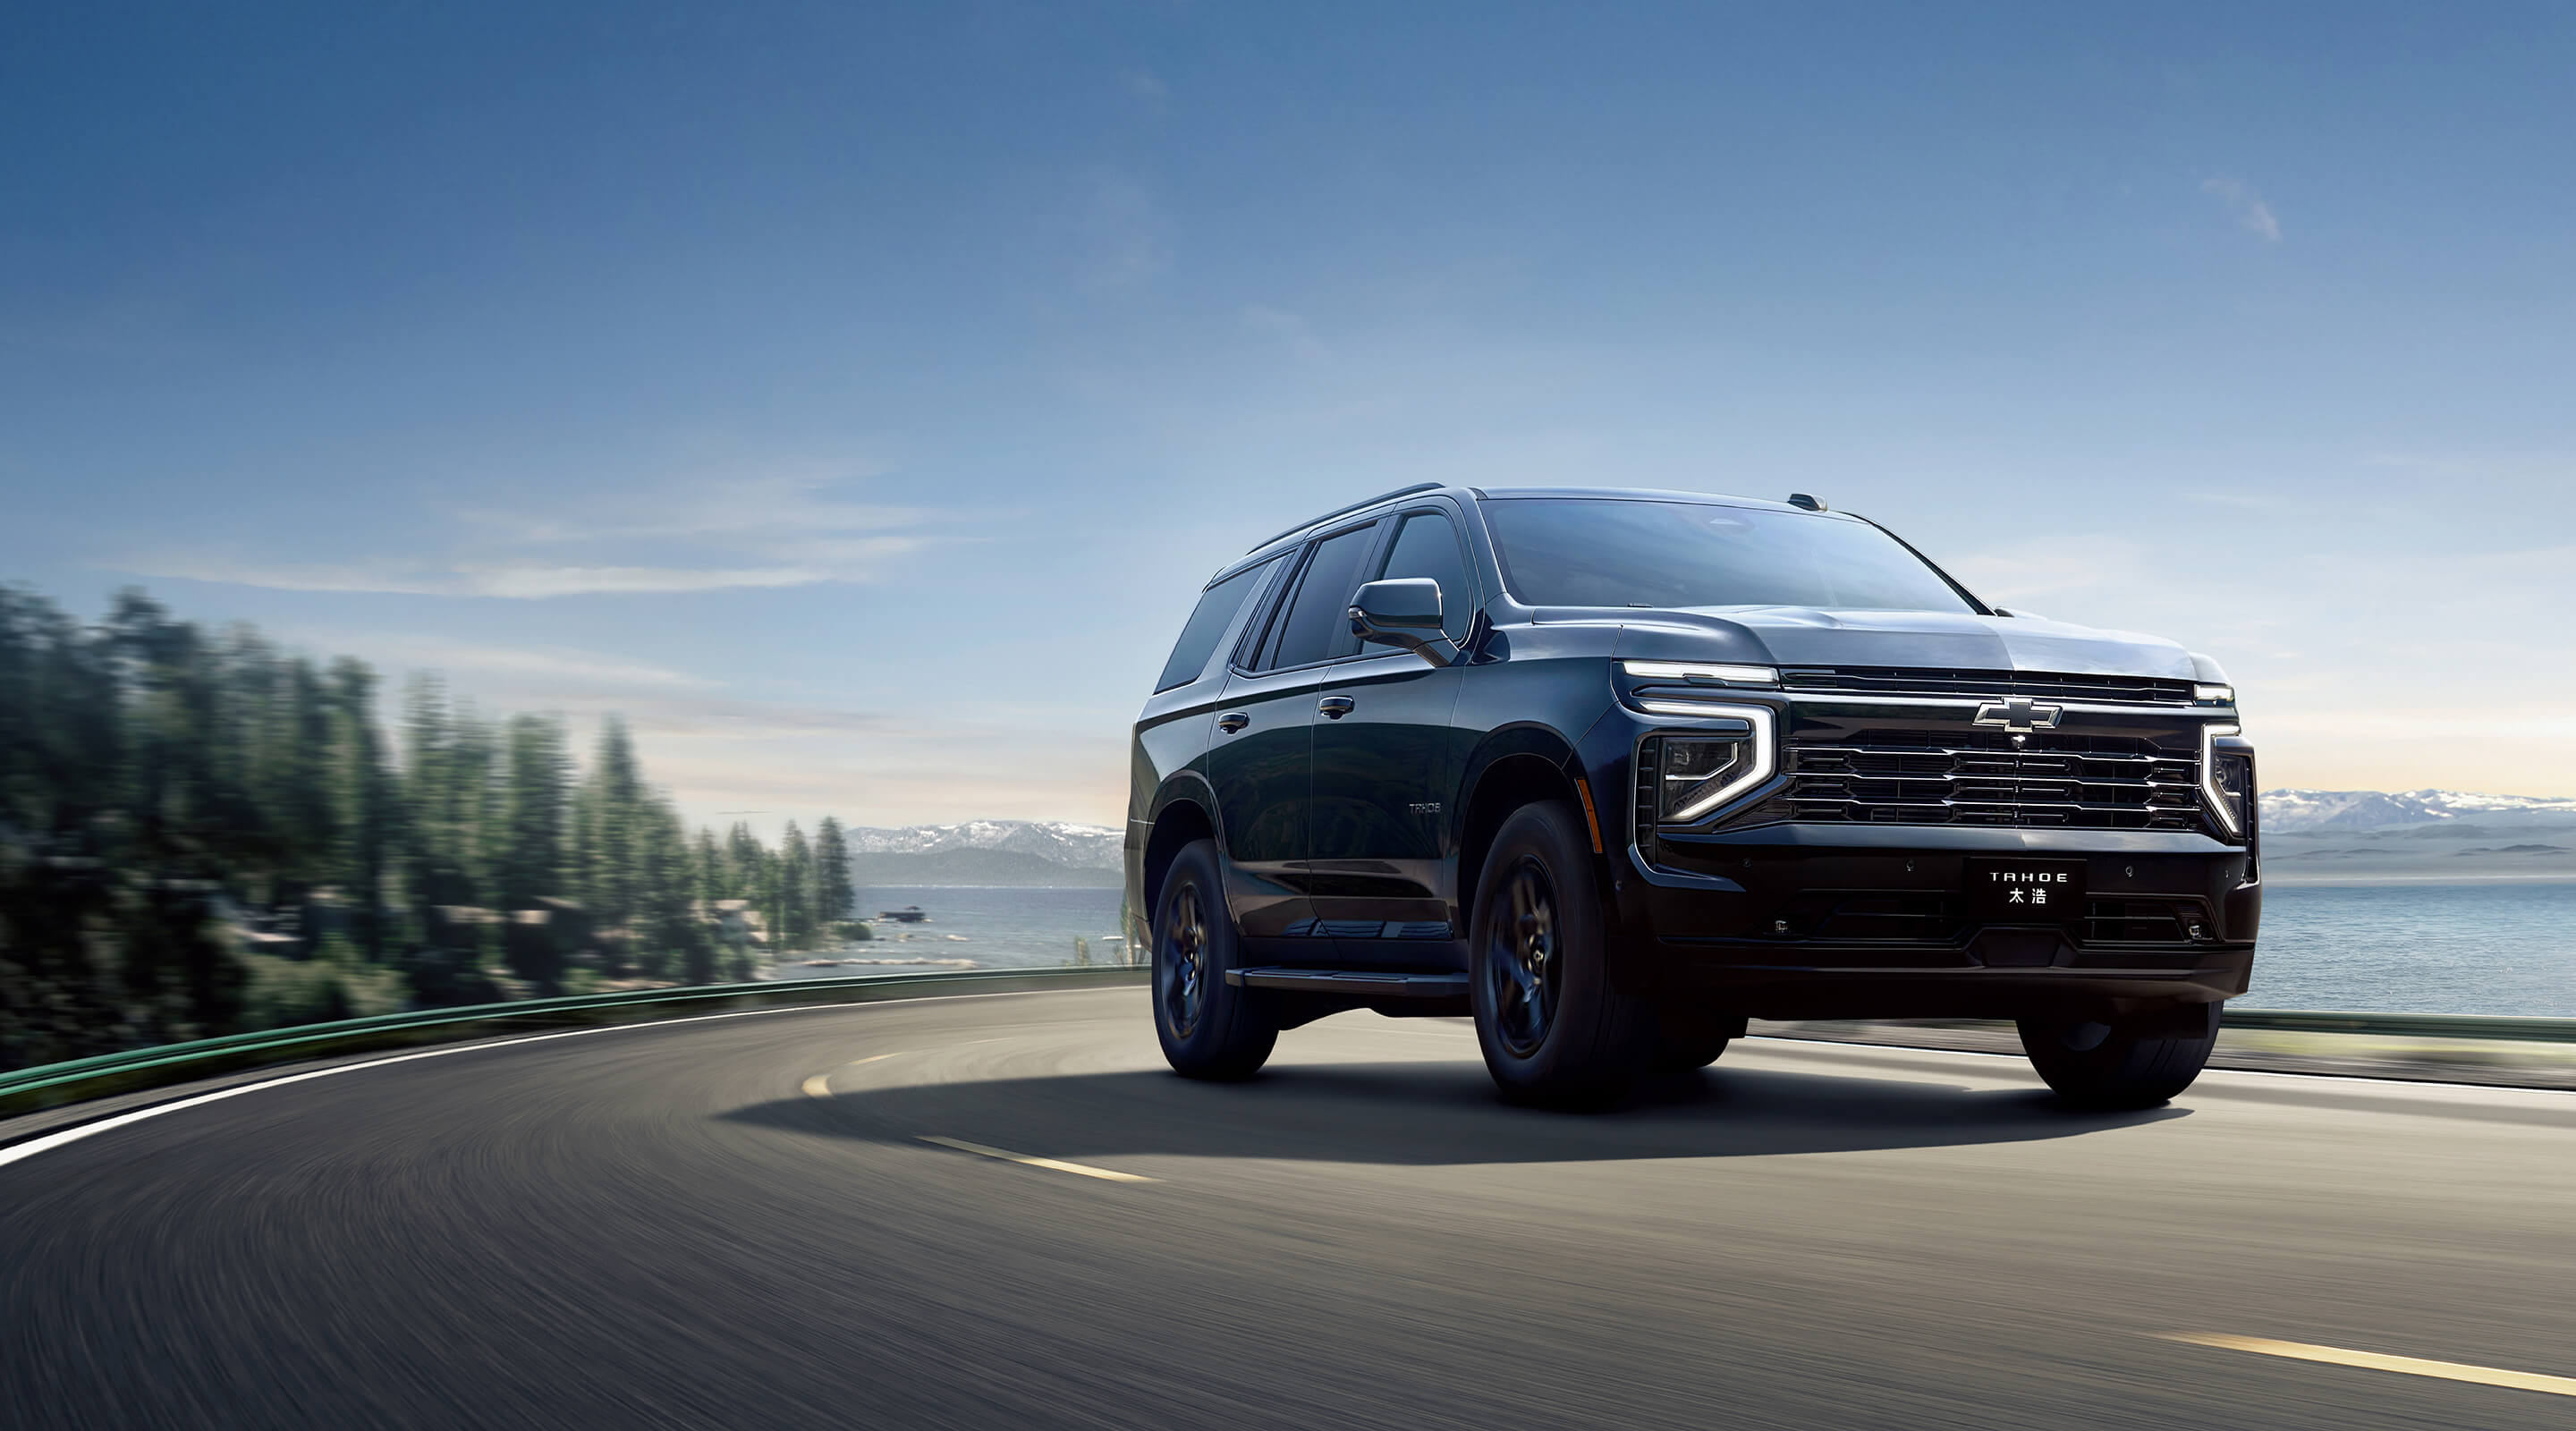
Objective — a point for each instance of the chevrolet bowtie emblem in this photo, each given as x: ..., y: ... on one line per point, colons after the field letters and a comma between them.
x: 2019, y: 713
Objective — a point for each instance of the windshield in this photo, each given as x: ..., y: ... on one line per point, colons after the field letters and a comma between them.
x: 1592, y: 551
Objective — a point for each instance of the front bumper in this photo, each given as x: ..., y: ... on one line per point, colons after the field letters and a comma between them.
x: 1839, y: 887
x: 1810, y: 921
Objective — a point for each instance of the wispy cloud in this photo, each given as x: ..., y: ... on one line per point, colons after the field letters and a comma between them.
x: 2251, y: 212
x: 717, y: 750
x: 763, y: 531
x: 520, y: 580
x: 2013, y: 575
x: 1147, y: 90
x: 554, y: 668
x: 1126, y: 234
x: 1286, y: 328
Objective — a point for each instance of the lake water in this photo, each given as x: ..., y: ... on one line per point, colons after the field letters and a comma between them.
x: 2495, y: 947
x: 975, y: 927
x: 2488, y: 947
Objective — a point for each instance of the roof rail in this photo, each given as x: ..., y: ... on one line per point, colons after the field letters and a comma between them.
x: 1343, y: 511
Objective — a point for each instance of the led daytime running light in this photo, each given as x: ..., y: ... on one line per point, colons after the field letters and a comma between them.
x: 1699, y: 671
x: 1756, y: 771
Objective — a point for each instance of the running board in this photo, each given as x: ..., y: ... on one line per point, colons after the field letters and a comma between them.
x: 1359, y: 983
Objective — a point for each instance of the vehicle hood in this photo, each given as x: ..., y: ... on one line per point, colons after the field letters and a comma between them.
x: 1807, y: 636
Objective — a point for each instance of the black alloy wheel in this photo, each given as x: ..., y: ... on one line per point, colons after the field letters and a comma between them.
x: 1523, y: 971
x: 1180, y: 962
x: 1208, y: 1028
x: 1552, y: 1027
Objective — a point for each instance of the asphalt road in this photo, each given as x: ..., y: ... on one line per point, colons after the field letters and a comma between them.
x: 678, y: 1225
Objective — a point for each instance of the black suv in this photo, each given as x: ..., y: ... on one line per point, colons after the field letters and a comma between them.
x: 1615, y: 770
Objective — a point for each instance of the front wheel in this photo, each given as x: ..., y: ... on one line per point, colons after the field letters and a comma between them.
x: 1208, y: 1027
x: 1689, y: 1039
x: 2135, y: 1062
x: 1552, y: 1028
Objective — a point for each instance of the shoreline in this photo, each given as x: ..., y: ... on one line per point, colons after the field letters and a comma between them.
x: 2537, y: 878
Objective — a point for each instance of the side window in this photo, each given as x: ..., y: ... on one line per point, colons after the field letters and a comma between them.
x: 1320, y: 609
x: 1215, y: 613
x: 1427, y: 545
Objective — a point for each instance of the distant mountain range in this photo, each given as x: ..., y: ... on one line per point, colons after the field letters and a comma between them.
x: 989, y: 852
x: 2362, y: 835
x: 2300, y: 811
x: 2307, y: 834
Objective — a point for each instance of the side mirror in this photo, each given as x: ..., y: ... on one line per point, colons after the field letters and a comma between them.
x: 1404, y: 612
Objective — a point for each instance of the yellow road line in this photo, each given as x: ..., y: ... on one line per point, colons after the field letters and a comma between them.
x: 1007, y: 1156
x: 818, y: 1087
x: 2374, y: 1361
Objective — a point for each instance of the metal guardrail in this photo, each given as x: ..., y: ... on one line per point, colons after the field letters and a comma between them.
x: 2477, y: 1026
x: 49, y: 1084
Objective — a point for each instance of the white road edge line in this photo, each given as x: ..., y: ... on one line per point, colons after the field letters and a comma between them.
x: 2337, y: 1079
x: 17, y: 1152
x: 2376, y: 1361
x: 1058, y: 1165
x: 820, y: 1085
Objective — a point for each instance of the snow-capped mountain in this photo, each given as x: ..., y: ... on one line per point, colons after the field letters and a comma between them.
x: 2296, y: 811
x: 1090, y: 847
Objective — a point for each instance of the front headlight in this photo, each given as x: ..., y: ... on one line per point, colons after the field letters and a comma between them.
x: 1696, y: 769
x: 1684, y: 775
x: 2227, y: 782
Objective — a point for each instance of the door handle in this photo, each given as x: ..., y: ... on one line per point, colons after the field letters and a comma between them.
x: 1232, y: 721
x: 1336, y: 707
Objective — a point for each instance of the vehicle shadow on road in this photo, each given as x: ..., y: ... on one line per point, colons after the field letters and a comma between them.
x: 1428, y: 1113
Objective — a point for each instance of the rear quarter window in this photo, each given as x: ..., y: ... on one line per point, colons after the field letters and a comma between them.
x: 1206, y: 626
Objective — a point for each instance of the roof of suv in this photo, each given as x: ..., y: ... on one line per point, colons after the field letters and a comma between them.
x: 1620, y: 494
x: 1639, y: 494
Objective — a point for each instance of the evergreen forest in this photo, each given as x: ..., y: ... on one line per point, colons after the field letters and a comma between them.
x: 201, y: 833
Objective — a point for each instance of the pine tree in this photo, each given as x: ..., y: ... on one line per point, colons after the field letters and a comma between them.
x: 534, y: 848
x: 744, y: 859
x: 362, y: 797
x: 715, y: 873
x: 616, y: 814
x: 795, y: 889
x: 675, y: 937
x: 833, y: 894
x: 187, y: 824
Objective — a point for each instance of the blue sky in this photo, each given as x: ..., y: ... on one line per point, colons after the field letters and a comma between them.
x: 855, y: 396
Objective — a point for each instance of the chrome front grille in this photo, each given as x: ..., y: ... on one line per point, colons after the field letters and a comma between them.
x: 1917, y: 681
x: 1960, y: 777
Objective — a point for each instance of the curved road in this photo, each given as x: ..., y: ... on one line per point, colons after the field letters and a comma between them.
x: 738, y: 1222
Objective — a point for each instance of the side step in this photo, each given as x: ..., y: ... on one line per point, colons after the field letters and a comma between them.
x: 1356, y: 983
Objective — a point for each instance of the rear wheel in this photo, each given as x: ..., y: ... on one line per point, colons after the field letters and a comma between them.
x: 1552, y: 1028
x: 1208, y: 1027
x: 2135, y: 1062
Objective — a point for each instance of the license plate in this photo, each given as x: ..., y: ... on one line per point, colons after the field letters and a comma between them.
x: 2025, y: 891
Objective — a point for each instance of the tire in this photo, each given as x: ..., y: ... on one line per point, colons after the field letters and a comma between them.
x: 2136, y: 1062
x: 1686, y: 1041
x: 1552, y: 1028
x: 1208, y: 1027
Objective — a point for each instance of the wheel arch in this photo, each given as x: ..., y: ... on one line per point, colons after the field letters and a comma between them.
x: 1184, y: 814
x: 1516, y: 766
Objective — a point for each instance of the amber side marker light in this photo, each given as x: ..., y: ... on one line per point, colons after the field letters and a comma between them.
x: 1591, y: 821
